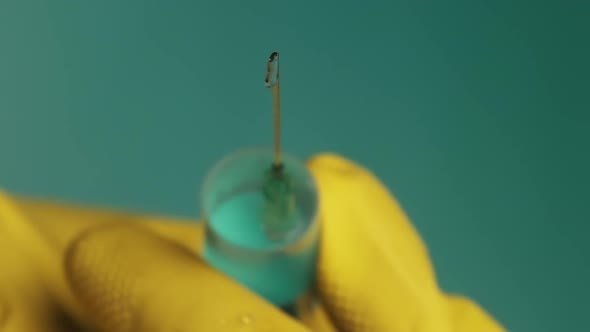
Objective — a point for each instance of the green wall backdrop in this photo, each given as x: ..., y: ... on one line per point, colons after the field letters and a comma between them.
x: 474, y: 113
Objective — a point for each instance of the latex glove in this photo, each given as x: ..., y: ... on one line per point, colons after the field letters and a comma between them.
x: 132, y: 273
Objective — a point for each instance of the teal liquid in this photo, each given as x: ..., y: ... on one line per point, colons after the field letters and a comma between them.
x: 239, y: 245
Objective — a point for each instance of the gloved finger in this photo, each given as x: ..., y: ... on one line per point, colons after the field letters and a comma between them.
x: 374, y: 272
x: 33, y: 296
x: 62, y: 223
x: 134, y: 280
x: 45, y: 229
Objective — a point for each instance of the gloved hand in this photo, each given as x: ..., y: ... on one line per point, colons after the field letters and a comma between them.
x: 64, y: 268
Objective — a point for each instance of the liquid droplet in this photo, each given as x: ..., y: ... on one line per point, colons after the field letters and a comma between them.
x: 247, y: 319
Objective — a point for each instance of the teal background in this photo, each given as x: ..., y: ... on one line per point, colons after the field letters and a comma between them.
x: 475, y: 113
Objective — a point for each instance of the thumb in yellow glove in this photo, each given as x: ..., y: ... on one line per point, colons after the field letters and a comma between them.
x: 133, y: 273
x: 374, y: 270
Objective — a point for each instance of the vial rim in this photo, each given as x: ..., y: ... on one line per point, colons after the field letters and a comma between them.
x: 313, y: 226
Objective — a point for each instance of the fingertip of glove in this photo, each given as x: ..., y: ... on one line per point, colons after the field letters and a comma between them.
x: 95, y: 265
x: 467, y: 315
x: 73, y: 248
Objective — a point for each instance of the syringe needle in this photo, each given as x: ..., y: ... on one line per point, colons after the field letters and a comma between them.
x: 272, y: 81
x: 277, y: 189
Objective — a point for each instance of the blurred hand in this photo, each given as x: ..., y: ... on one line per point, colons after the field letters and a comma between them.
x: 73, y: 269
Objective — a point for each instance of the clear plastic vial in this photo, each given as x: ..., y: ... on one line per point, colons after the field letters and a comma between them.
x: 263, y: 235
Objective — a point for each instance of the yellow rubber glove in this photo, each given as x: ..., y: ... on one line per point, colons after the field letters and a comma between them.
x: 73, y: 269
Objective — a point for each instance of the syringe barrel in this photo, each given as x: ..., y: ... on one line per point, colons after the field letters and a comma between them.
x: 238, y: 243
